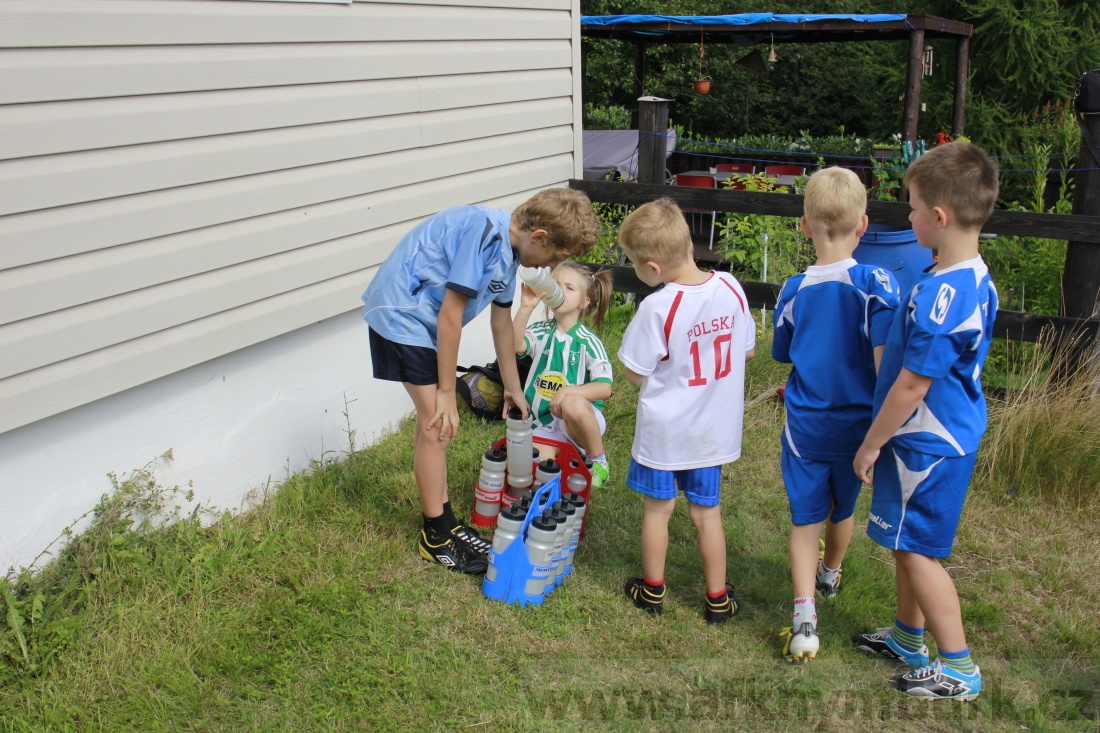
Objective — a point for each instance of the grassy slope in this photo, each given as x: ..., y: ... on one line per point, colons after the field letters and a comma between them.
x: 314, y: 613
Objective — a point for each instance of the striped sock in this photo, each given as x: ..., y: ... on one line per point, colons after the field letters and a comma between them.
x: 959, y: 661
x: 601, y: 458
x: 907, y: 637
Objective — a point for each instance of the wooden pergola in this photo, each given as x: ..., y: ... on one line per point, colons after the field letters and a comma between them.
x: 755, y: 28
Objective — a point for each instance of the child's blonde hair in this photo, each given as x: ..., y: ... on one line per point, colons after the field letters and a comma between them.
x: 597, y: 288
x: 566, y: 215
x: 960, y: 177
x: 835, y: 201
x: 657, y: 231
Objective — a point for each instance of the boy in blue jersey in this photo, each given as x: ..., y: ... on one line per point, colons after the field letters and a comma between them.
x: 830, y: 323
x: 440, y: 276
x: 929, y: 419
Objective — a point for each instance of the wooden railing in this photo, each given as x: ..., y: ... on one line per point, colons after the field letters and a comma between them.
x: 1014, y: 325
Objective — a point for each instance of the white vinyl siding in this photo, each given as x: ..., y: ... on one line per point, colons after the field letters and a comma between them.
x: 181, y: 179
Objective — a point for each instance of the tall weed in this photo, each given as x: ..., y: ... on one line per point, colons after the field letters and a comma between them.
x: 1044, y: 435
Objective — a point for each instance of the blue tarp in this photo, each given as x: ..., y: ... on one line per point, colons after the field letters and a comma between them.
x: 739, y: 19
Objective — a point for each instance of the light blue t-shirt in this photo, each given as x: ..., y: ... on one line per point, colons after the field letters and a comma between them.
x: 943, y: 331
x: 827, y: 322
x: 465, y: 249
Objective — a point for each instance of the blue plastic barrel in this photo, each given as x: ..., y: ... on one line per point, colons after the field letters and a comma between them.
x: 895, y: 250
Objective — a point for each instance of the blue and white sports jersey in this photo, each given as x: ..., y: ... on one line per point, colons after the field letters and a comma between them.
x: 465, y: 249
x: 943, y: 331
x: 827, y: 322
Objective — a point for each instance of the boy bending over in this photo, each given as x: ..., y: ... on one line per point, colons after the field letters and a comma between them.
x: 441, y: 275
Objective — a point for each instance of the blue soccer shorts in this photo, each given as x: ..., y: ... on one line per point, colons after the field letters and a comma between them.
x: 918, y: 499
x: 813, y: 487
x: 700, y: 485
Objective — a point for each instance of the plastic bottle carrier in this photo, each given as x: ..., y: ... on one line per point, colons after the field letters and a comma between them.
x: 514, y: 568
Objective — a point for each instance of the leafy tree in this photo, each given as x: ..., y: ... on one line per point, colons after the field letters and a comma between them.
x: 1024, y: 54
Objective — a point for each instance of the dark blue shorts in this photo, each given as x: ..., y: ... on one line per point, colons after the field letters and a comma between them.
x: 700, y: 485
x: 813, y: 487
x: 918, y: 499
x: 396, y: 362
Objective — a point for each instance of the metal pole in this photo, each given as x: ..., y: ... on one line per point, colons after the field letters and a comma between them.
x: 652, y: 139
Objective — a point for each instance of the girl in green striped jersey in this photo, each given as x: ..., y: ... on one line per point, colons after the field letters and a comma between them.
x: 570, y: 373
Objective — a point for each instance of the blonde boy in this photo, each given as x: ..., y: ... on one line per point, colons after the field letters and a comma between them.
x: 929, y: 419
x: 830, y: 324
x: 686, y: 348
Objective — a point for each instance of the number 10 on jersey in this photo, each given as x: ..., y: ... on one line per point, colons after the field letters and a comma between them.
x: 722, y: 348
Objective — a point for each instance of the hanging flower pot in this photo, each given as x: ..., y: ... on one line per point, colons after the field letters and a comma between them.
x: 702, y: 78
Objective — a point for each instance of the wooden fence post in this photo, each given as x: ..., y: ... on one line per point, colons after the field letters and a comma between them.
x: 652, y: 139
x: 962, y: 67
x: 1081, y: 277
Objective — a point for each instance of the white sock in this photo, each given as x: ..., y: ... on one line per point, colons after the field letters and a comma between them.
x: 825, y: 575
x: 805, y: 611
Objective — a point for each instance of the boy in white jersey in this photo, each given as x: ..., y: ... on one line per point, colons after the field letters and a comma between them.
x: 929, y: 419
x: 830, y: 323
x: 444, y: 272
x: 570, y: 373
x: 686, y: 348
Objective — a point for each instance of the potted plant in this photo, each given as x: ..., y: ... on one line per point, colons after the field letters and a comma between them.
x: 702, y: 78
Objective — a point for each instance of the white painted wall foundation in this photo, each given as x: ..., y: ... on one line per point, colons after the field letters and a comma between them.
x: 232, y: 424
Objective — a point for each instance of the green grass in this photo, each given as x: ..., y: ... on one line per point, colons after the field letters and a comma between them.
x: 313, y: 612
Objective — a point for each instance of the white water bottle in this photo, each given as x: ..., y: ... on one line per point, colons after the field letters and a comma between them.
x: 546, y: 470
x: 575, y: 536
x: 520, y: 446
x: 540, y: 553
x: 490, y: 485
x: 509, y: 524
x: 542, y: 282
x: 566, y: 529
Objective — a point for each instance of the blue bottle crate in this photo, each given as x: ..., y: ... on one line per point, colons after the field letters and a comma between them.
x: 514, y: 568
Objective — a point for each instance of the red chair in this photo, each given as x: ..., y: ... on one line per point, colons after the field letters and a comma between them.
x: 736, y: 168
x: 785, y: 170
x: 683, y: 179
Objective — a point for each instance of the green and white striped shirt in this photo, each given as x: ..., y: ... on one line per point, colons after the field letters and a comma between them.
x: 576, y: 357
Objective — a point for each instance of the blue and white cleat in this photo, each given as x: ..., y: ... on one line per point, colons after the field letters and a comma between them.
x: 937, y: 681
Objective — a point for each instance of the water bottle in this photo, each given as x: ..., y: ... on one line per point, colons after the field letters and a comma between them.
x: 520, y: 446
x: 558, y: 514
x: 542, y: 282
x: 578, y: 524
x: 540, y: 553
x: 546, y: 470
x: 576, y: 482
x: 566, y: 541
x: 509, y: 525
x: 490, y: 485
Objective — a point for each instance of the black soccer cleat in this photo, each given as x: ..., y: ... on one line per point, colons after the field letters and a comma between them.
x: 452, y: 553
x: 722, y: 610
x: 644, y: 598
x: 470, y: 536
x: 882, y: 642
